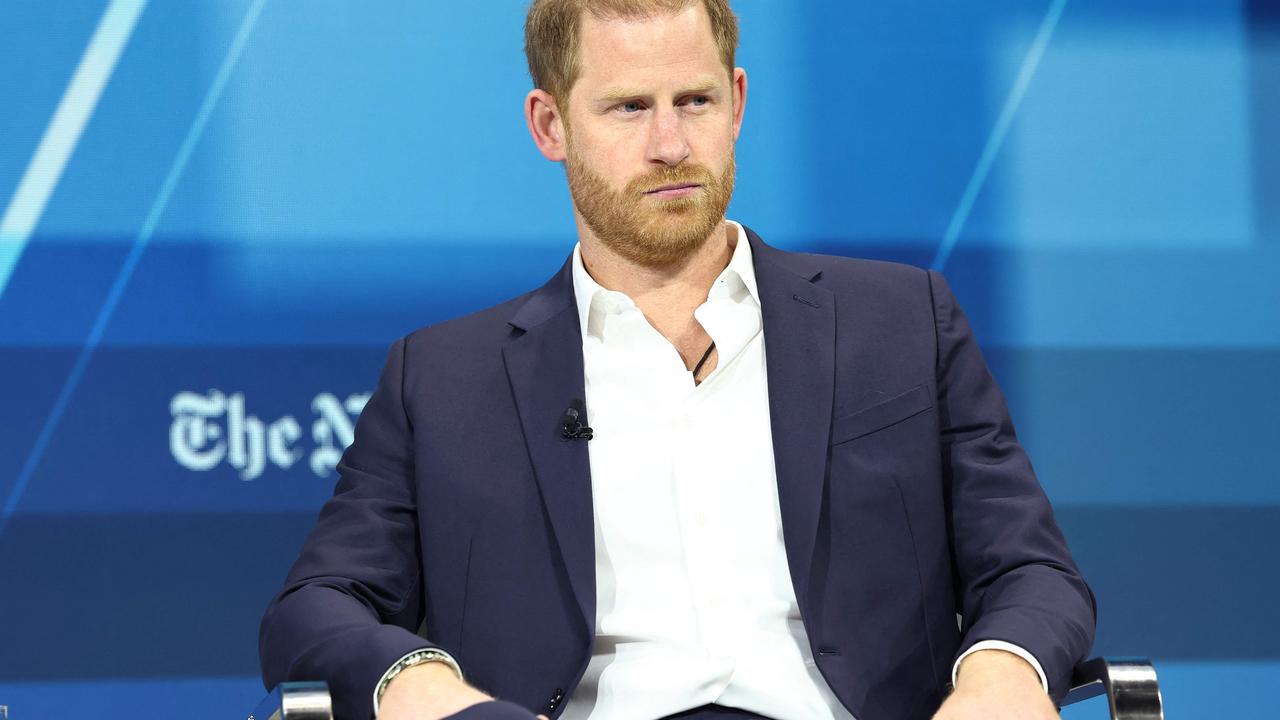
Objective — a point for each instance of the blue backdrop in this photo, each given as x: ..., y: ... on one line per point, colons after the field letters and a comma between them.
x: 218, y: 215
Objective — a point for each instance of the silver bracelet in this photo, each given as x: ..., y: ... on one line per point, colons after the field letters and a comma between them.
x: 417, y: 657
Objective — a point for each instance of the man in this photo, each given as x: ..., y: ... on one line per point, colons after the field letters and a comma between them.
x: 717, y: 531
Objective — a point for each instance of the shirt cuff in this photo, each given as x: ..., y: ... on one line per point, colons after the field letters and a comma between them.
x: 1007, y: 647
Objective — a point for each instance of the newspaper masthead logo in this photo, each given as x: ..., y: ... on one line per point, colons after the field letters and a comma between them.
x: 212, y: 428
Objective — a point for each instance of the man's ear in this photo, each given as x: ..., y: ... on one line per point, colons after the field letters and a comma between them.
x: 545, y: 124
x: 739, y: 99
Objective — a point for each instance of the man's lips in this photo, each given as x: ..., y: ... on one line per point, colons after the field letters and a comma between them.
x: 674, y: 191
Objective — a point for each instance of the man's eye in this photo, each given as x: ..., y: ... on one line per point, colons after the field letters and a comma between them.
x: 699, y: 100
x: 629, y: 107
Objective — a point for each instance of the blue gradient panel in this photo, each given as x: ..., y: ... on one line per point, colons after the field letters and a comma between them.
x: 45, y: 41
x: 265, y: 196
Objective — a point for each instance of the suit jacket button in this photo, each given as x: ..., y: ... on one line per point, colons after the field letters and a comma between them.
x: 556, y: 697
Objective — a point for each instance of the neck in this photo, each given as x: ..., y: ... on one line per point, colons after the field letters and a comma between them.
x: 666, y: 295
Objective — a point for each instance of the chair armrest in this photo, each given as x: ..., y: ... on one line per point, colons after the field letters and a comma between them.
x: 295, y: 701
x: 1129, y: 683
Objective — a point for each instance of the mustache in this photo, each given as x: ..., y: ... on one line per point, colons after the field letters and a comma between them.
x: 666, y: 176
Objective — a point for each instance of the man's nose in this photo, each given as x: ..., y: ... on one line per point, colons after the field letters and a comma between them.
x: 667, y: 142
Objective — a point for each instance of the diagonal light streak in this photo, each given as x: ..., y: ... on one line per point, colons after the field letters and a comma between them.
x: 126, y: 270
x: 998, y: 133
x: 79, y: 100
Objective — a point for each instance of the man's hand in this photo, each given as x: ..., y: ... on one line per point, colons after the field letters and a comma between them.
x: 430, y: 691
x: 997, y: 685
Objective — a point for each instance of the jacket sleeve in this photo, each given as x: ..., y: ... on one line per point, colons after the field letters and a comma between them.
x: 1017, y: 581
x: 352, y: 601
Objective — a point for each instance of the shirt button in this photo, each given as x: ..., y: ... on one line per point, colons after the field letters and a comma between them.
x: 701, y: 518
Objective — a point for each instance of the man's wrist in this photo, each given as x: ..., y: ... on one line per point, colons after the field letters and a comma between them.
x: 425, y: 663
x: 1008, y: 647
x: 994, y: 683
x: 990, y: 665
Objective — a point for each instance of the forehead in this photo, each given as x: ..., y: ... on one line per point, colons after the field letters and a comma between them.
x: 665, y: 48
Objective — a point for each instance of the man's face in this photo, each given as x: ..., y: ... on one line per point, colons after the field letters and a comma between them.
x: 650, y: 128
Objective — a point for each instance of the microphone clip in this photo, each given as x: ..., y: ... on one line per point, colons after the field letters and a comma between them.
x: 573, y: 425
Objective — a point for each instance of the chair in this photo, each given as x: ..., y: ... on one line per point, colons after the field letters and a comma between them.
x: 295, y: 701
x: 1129, y: 684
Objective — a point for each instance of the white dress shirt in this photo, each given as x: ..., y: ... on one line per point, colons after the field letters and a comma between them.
x: 694, y: 597
x: 694, y: 603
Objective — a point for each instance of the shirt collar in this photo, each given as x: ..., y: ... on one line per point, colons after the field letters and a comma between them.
x: 591, y: 296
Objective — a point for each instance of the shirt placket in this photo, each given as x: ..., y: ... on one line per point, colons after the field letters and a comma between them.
x: 700, y: 483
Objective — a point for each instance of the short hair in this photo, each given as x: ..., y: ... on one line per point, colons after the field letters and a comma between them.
x: 551, y: 34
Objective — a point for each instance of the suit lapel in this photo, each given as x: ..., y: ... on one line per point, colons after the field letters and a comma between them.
x: 544, y: 366
x: 799, y: 332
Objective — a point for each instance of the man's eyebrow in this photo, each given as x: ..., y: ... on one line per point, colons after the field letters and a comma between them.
x: 620, y: 94
x: 624, y: 93
x: 702, y: 88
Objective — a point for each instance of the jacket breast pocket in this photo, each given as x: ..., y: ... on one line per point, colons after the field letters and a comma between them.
x: 881, y: 415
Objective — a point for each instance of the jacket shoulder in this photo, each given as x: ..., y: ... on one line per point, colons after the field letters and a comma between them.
x: 858, y: 276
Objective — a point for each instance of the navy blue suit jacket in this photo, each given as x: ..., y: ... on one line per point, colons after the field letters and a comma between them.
x: 463, y: 520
